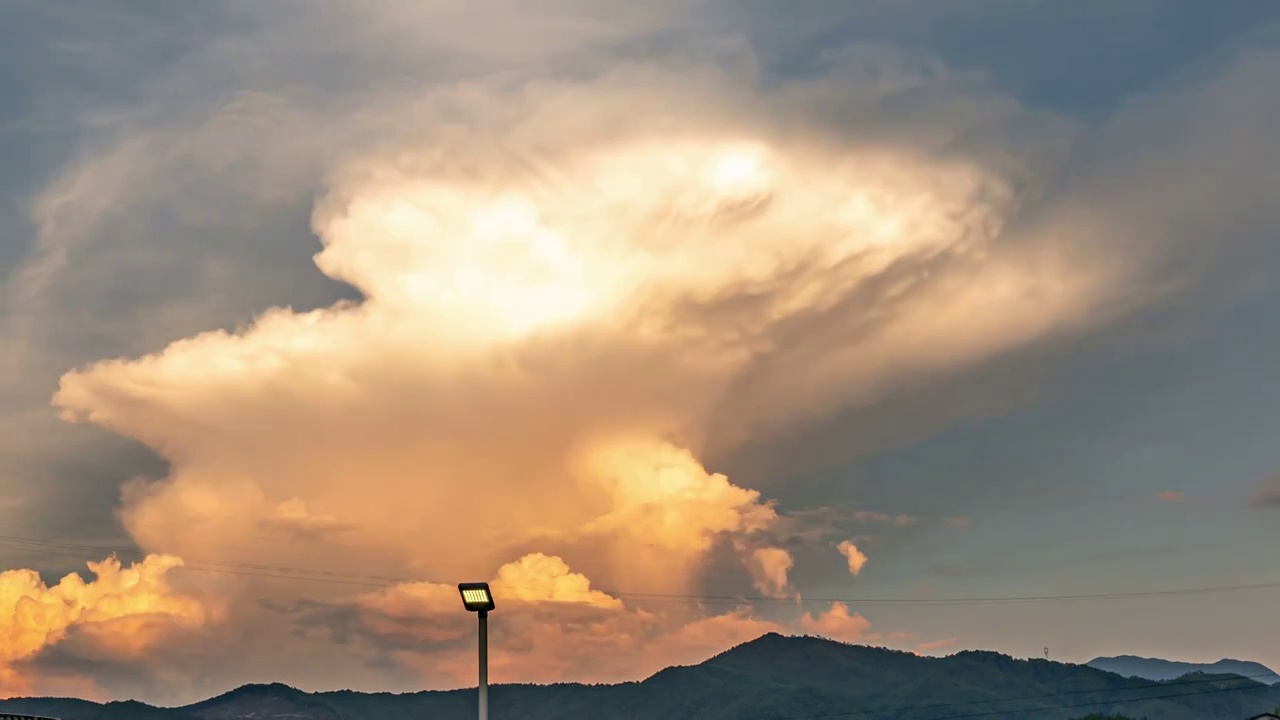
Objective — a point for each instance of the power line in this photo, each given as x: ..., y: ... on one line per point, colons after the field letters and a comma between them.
x: 979, y: 600
x: 47, y: 547
x: 222, y: 567
x: 57, y: 549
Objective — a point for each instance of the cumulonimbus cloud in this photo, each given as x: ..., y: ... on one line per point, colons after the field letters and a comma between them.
x: 549, y: 338
x: 572, y: 290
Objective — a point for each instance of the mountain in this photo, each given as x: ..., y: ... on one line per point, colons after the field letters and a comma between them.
x: 1156, y: 669
x: 770, y: 678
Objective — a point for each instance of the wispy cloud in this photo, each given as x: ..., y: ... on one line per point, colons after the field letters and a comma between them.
x: 936, y: 645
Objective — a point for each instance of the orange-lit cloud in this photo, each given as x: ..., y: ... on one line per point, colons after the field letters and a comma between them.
x: 664, y: 509
x: 856, y: 558
x: 579, y: 298
x: 557, y: 626
x: 936, y: 645
x: 561, y: 354
x: 837, y: 623
x: 536, y: 369
x: 572, y: 300
x: 551, y: 625
x: 536, y: 577
x: 123, y: 612
x: 1172, y: 496
x: 769, y: 568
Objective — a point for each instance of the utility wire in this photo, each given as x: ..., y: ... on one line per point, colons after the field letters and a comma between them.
x: 48, y: 547
x: 52, y: 548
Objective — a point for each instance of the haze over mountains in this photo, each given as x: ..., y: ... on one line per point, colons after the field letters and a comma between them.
x: 772, y: 677
x: 1157, y: 669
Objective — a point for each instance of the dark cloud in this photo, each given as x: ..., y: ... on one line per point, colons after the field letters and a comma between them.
x: 1030, y: 49
x: 1203, y: 240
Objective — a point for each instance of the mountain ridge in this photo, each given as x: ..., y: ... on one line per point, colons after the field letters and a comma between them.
x: 773, y: 677
x: 1160, y: 669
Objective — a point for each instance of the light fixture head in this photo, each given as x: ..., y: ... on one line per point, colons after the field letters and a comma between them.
x: 476, y: 596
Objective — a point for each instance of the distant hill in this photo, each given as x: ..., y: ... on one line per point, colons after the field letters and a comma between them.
x: 1156, y: 669
x: 770, y: 678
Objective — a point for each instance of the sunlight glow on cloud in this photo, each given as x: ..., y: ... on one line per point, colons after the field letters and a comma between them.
x: 124, y: 611
x: 553, y: 626
x: 769, y: 568
x: 837, y: 623
x: 580, y: 293
x: 936, y: 645
x: 556, y: 354
x: 856, y: 558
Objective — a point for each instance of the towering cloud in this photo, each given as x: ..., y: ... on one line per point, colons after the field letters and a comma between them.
x: 123, y: 612
x: 552, y: 333
x: 579, y: 288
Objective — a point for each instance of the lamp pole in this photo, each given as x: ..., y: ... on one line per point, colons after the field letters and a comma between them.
x: 484, y: 664
x: 478, y: 598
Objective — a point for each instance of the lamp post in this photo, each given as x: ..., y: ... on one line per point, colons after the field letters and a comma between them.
x: 477, y: 598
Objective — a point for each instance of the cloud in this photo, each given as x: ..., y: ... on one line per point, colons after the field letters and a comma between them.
x: 559, y: 332
x: 662, y: 497
x: 837, y: 623
x: 124, y: 612
x: 871, y: 516
x: 556, y: 335
x: 587, y: 271
x: 1172, y: 496
x: 936, y: 645
x: 551, y: 625
x: 769, y: 568
x: 487, y: 278
x: 292, y: 516
x: 1268, y: 495
x: 857, y: 560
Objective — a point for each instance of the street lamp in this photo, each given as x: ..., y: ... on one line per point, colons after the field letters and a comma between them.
x: 477, y: 598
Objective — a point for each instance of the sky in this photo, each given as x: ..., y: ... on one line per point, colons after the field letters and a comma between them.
x: 679, y: 323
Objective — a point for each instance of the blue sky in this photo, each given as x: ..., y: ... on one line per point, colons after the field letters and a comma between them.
x: 164, y: 164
